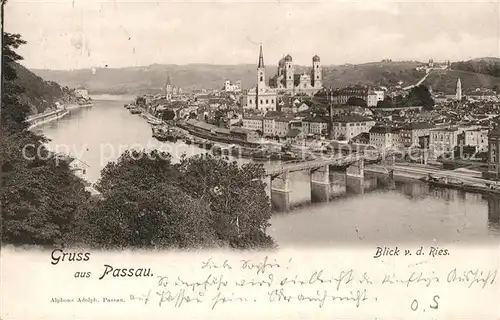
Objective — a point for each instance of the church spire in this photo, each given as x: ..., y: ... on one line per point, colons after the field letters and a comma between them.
x: 261, y: 58
x: 168, y: 81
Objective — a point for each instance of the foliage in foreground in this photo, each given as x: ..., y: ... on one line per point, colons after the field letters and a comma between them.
x: 39, y: 195
x: 149, y: 202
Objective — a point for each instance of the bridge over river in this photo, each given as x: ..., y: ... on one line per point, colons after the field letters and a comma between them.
x: 319, y: 171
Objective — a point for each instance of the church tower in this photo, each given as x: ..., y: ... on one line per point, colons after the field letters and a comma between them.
x: 289, y: 72
x: 261, y: 72
x: 316, y: 74
x: 458, y: 94
x: 168, y: 89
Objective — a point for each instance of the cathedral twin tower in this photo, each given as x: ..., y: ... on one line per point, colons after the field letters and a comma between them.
x: 287, y: 80
x: 265, y: 98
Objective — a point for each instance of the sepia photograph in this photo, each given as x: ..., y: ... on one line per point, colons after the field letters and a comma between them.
x: 248, y: 126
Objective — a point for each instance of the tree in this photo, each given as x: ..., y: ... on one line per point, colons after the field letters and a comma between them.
x: 210, y: 200
x: 140, y: 101
x: 235, y: 194
x: 39, y: 195
x: 168, y: 115
x: 218, y: 117
x: 161, y: 217
x: 14, y: 113
x: 386, y: 103
x: 141, y: 169
x: 355, y: 101
x: 193, y: 115
x: 320, y: 110
x: 420, y: 96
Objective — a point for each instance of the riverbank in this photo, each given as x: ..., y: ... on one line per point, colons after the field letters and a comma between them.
x: 469, y: 180
x: 39, y: 119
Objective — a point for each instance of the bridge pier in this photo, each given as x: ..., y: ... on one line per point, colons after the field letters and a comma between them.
x: 355, y: 176
x: 320, y: 184
x: 388, y: 160
x: 280, y: 192
x: 387, y: 180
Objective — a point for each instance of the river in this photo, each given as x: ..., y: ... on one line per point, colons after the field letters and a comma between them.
x: 411, y: 212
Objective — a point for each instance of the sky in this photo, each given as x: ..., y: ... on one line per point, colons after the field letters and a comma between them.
x: 88, y: 33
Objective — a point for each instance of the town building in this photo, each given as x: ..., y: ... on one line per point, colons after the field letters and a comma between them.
x: 82, y: 93
x: 380, y: 95
x: 371, y: 99
x: 232, y: 87
x: 385, y: 138
x: 443, y: 140
x: 411, y: 133
x: 362, y: 138
x: 288, y: 104
x: 261, y: 97
x: 340, y: 96
x: 483, y: 95
x: 253, y: 123
x: 244, y: 134
x: 348, y: 127
x: 299, y: 124
x: 276, y: 126
x: 477, y: 138
x: 315, y: 125
x: 288, y: 81
x: 493, y: 154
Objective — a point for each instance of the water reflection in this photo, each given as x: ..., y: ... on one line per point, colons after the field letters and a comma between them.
x: 419, y: 190
x: 397, y: 211
x: 494, y: 214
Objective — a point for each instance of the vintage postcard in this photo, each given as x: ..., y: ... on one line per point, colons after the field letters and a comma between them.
x: 250, y: 159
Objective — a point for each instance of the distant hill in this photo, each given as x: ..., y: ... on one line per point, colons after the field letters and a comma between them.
x: 151, y: 79
x: 489, y: 66
x: 39, y: 94
x: 374, y: 73
x: 204, y: 76
x: 446, y: 81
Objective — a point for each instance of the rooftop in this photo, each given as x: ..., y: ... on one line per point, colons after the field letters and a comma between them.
x: 495, y: 132
x: 445, y: 129
x: 384, y: 129
x: 241, y: 130
x: 253, y: 118
x: 419, y: 125
x: 315, y: 119
x: 351, y: 118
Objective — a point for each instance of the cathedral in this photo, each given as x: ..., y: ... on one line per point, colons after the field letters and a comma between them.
x: 288, y: 81
x: 171, y: 91
x: 263, y: 97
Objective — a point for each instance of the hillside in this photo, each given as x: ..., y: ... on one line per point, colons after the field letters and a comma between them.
x: 39, y: 94
x: 151, y: 79
x: 374, y: 73
x: 446, y: 80
x: 488, y: 66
